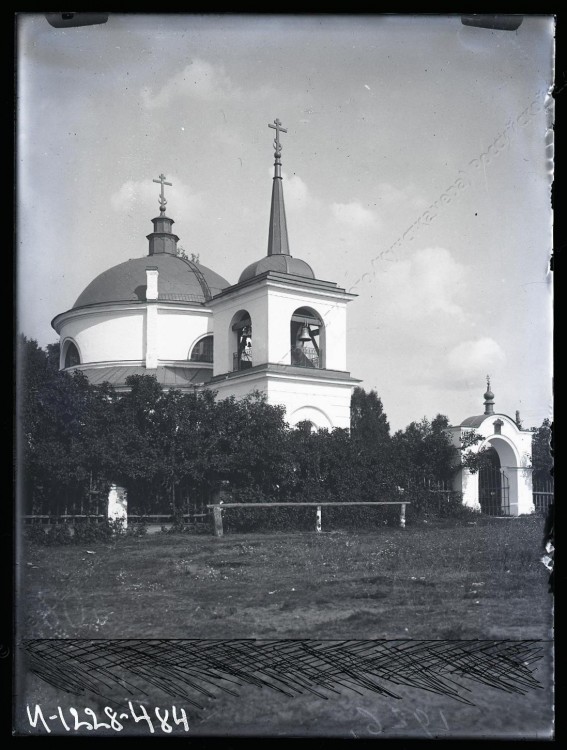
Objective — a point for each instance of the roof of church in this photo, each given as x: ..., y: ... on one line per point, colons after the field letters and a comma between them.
x: 478, y: 420
x: 489, y: 412
x: 167, y: 375
x: 277, y: 262
x: 475, y: 421
x: 178, y: 281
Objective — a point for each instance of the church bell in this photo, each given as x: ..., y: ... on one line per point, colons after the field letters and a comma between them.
x: 304, y: 334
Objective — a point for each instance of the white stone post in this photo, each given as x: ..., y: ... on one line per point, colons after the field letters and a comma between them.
x: 118, y: 505
x: 403, y: 516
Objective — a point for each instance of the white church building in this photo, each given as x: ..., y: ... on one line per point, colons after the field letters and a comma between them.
x: 278, y: 330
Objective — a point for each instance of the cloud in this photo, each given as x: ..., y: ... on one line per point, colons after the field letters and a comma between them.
x: 430, y: 281
x: 354, y: 214
x: 296, y: 192
x: 200, y: 79
x: 133, y: 195
x: 390, y: 196
x: 469, y: 361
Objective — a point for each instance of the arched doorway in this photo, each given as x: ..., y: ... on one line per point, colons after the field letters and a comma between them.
x: 493, y: 486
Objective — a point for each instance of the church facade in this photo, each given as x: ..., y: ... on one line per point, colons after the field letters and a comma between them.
x: 279, y: 330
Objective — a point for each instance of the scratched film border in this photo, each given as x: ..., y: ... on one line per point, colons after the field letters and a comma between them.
x: 193, y: 669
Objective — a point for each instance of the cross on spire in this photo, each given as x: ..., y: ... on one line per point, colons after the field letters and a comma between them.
x: 162, y: 200
x: 277, y: 126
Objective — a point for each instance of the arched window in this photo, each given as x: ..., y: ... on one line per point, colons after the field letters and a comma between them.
x: 307, y: 338
x: 242, y: 337
x: 72, y: 357
x: 203, y: 350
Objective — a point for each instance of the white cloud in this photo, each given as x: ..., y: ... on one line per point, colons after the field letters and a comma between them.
x: 430, y: 281
x: 354, y: 214
x: 470, y: 360
x: 200, y: 79
x: 143, y: 194
x: 296, y: 192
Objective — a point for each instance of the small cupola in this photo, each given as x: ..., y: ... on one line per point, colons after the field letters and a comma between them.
x: 162, y: 240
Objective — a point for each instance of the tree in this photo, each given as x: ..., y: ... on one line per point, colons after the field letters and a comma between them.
x: 542, y: 451
x: 249, y: 445
x: 423, y: 451
x: 51, y: 408
x: 370, y: 458
x: 368, y: 422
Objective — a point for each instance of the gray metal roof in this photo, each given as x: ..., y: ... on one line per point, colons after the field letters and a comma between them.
x: 277, y: 262
x: 126, y: 282
x: 478, y: 420
x: 171, y: 376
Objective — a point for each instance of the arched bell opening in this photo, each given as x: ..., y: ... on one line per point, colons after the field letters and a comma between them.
x: 241, y: 341
x: 307, y: 338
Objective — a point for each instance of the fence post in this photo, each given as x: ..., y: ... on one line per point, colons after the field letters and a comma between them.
x: 318, y: 519
x: 217, y: 514
x: 403, y: 516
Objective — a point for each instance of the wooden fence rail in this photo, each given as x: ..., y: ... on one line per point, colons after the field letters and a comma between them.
x: 219, y: 507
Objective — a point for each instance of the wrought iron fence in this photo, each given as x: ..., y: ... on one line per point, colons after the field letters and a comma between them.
x: 306, y: 356
x: 543, y: 491
x: 242, y: 360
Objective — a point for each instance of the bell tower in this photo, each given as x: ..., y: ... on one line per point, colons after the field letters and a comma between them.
x: 282, y: 331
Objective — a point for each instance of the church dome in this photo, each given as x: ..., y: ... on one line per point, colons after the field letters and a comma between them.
x: 180, y: 280
x: 278, y: 262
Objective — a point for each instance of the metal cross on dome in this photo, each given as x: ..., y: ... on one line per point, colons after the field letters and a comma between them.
x: 162, y: 200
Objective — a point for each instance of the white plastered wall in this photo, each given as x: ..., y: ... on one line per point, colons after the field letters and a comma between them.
x: 122, y: 335
x: 326, y: 404
x: 514, y: 448
x: 270, y: 307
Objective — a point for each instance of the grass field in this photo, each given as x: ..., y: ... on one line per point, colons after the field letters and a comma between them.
x: 426, y: 581
x: 435, y: 580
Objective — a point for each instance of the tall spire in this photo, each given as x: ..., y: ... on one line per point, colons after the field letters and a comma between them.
x: 277, y: 237
x: 488, y: 398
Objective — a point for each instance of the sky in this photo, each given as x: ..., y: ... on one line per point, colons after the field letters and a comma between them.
x: 417, y: 167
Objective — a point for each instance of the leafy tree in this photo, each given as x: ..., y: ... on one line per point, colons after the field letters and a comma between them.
x: 423, y: 451
x: 51, y: 405
x: 248, y: 445
x: 370, y: 460
x: 542, y: 451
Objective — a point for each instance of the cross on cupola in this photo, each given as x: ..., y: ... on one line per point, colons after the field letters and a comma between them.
x: 162, y: 200
x: 162, y: 239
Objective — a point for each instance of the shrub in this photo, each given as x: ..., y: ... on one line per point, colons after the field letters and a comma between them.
x: 137, y: 529
x: 92, y: 532
x: 36, y: 534
x: 59, y: 534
